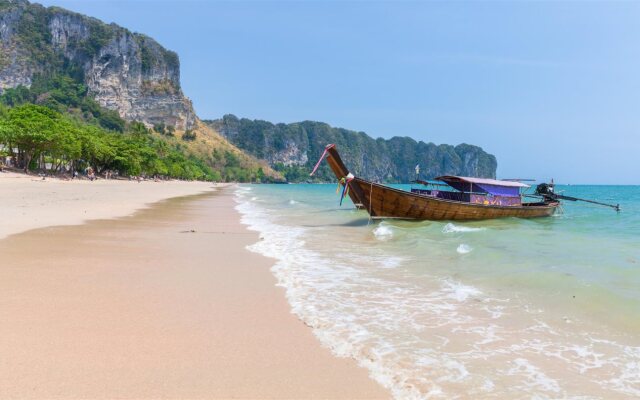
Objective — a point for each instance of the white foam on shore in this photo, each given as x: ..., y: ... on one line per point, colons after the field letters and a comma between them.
x: 430, y: 340
x: 329, y: 297
x: 535, y: 377
x: 346, y: 306
x: 390, y: 262
x: 459, y: 291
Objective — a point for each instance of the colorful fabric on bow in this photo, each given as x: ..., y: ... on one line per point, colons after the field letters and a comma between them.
x: 345, y: 187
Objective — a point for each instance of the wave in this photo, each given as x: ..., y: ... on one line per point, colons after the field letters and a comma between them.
x: 383, y: 232
x: 464, y: 249
x: 346, y: 306
x: 436, y: 337
x: 452, y: 228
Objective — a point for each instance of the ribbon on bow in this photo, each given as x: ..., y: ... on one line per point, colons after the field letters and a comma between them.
x: 345, y: 187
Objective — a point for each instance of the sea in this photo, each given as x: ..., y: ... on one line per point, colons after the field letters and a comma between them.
x: 510, y: 308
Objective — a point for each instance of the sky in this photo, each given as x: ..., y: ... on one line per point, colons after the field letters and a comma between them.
x: 552, y: 89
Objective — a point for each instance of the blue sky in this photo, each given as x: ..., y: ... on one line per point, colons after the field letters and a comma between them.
x: 552, y: 89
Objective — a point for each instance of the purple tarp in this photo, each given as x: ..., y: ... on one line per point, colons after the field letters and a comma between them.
x: 485, y: 188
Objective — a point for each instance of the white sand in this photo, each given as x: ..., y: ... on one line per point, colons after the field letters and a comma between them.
x: 166, y: 304
x: 27, y: 202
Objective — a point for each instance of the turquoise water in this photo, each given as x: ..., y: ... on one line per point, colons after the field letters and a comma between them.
x: 544, y: 308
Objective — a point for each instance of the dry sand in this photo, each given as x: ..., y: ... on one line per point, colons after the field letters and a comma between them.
x: 28, y: 202
x: 141, y: 307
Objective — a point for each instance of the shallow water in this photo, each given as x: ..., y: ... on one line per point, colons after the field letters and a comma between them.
x: 546, y: 308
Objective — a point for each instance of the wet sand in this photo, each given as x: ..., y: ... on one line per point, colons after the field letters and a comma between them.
x: 166, y: 303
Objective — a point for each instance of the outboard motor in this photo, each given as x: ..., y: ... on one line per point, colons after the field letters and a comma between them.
x: 546, y: 190
x: 548, y: 194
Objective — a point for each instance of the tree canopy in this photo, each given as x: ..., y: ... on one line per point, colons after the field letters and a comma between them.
x: 41, y: 138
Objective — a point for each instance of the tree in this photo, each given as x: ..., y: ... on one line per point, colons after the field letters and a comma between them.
x: 34, y: 130
x: 138, y: 128
x: 260, y: 174
x: 99, y: 148
x: 160, y: 128
x: 189, y: 135
x: 16, y: 96
x: 66, y: 145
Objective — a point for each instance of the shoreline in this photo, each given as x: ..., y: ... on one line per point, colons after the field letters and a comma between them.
x: 166, y: 303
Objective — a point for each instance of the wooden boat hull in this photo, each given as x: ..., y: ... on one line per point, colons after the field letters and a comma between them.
x: 385, y: 202
x: 382, y: 201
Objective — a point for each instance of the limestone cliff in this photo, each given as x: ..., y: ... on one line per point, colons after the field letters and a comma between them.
x: 294, y: 148
x: 124, y: 71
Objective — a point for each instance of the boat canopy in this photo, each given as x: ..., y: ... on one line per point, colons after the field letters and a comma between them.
x: 483, y: 185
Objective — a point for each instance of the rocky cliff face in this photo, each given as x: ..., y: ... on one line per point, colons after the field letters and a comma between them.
x: 394, y: 160
x: 14, y: 67
x: 124, y: 71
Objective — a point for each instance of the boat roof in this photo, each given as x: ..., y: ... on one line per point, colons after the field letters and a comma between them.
x: 481, y: 181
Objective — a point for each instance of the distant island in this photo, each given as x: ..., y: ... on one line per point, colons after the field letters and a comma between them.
x: 78, y: 93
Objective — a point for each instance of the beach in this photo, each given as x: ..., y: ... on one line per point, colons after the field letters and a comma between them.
x: 143, y: 298
x: 29, y: 202
x: 190, y: 290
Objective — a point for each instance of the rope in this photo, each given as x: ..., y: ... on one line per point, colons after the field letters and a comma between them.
x: 318, y: 163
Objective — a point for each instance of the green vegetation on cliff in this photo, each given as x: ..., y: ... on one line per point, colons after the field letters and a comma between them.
x: 292, y: 149
x: 68, y: 129
x: 40, y: 138
x: 56, y: 125
x: 63, y: 93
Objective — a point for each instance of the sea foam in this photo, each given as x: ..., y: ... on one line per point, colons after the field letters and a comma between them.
x: 452, y: 228
x: 464, y: 249
x: 347, y: 307
x: 383, y: 232
x: 459, y: 291
x: 433, y: 338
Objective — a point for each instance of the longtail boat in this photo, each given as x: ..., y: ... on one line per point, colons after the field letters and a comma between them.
x: 469, y: 198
